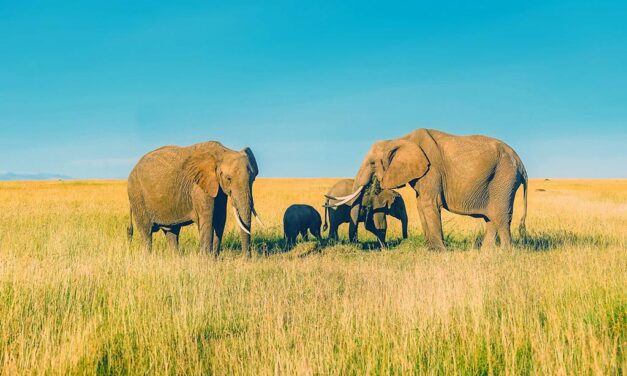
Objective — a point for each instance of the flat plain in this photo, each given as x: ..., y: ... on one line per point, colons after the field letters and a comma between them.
x: 76, y: 298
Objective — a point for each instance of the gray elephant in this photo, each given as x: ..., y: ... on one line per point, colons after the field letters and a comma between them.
x: 373, y: 215
x: 469, y: 175
x: 299, y: 219
x: 176, y: 186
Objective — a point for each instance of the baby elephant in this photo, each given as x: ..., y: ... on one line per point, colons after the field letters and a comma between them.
x: 387, y: 202
x: 298, y: 219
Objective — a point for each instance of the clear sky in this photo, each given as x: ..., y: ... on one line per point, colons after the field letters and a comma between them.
x: 86, y: 88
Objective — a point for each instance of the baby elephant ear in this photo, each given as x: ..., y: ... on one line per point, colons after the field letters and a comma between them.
x: 202, y: 169
x: 406, y: 162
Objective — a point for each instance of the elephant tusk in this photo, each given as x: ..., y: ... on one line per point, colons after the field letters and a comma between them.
x: 345, y: 199
x: 257, y: 218
x: 239, y: 221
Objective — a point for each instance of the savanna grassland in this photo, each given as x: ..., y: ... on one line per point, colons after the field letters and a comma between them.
x: 76, y: 298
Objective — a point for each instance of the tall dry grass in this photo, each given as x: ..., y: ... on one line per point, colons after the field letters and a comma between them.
x: 75, y: 298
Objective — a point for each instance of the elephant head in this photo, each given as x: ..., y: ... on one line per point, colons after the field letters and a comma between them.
x: 390, y: 164
x: 394, y: 163
x: 214, y: 168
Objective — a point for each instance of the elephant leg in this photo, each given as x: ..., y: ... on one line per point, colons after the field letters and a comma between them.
x: 431, y: 219
x: 333, y: 232
x: 205, y: 229
x: 505, y: 236
x: 381, y: 237
x: 204, y: 210
x: 500, y: 207
x: 144, y: 227
x: 146, y: 239
x: 352, y: 233
x: 404, y: 226
x: 303, y: 233
x: 172, y: 237
x: 399, y: 212
x: 489, y: 239
x: 333, y: 225
x: 219, y: 222
x: 378, y: 232
x: 353, y: 224
x: 316, y: 233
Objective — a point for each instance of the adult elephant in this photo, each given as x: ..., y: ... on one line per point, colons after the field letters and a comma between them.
x: 176, y: 186
x: 469, y: 175
x: 373, y: 214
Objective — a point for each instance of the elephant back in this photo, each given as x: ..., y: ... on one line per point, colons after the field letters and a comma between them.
x: 156, y: 183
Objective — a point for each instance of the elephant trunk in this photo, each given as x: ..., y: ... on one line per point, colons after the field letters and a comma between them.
x: 361, y: 185
x: 243, y: 207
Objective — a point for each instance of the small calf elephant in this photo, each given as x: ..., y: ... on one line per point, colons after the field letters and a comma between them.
x: 298, y: 219
x: 386, y: 202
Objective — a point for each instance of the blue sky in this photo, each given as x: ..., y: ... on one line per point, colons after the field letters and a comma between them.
x: 86, y: 88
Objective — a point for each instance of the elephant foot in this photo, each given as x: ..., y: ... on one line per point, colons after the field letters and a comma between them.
x: 506, y: 247
x: 436, y: 247
x: 488, y: 247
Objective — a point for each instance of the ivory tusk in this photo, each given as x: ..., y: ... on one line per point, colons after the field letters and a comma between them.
x: 347, y: 196
x: 345, y: 199
x: 239, y: 221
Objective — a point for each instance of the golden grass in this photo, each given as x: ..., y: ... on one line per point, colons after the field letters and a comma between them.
x: 75, y: 298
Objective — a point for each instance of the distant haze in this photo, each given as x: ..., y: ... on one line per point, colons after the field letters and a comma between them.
x: 5, y: 176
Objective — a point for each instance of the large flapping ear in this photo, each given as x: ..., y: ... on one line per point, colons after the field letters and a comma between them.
x: 406, y: 162
x: 252, y: 162
x: 202, y: 169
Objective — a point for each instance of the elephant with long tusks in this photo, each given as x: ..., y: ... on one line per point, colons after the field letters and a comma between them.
x: 469, y: 175
x: 176, y: 186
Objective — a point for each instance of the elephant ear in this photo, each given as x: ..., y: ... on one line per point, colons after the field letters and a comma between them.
x: 252, y: 162
x: 406, y: 162
x: 202, y: 169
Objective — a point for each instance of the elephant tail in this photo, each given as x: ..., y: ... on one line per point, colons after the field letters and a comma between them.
x: 129, y: 229
x: 522, y: 230
x: 326, y: 215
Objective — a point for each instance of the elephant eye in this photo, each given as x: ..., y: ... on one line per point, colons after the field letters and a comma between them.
x: 228, y: 178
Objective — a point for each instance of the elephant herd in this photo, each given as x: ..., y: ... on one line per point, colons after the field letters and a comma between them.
x: 478, y: 176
